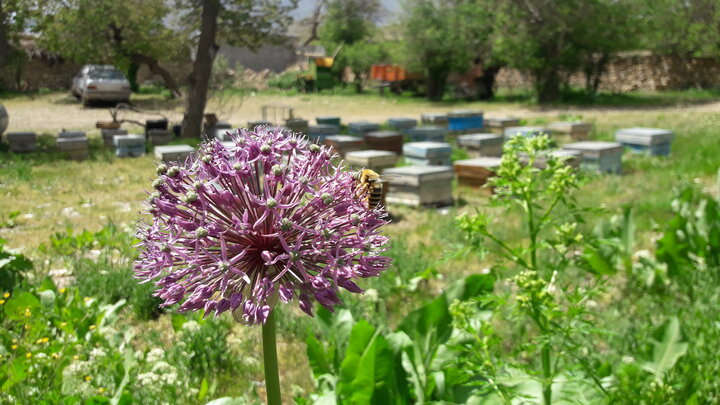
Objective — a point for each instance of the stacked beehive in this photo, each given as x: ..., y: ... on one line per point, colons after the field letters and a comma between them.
x: 385, y: 140
x: 420, y: 185
x: 476, y: 172
x: 109, y: 134
x: 465, y: 120
x: 320, y: 131
x: 362, y: 127
x: 478, y: 145
x: 298, y: 125
x: 571, y: 158
x: 74, y: 144
x: 428, y: 153
x: 376, y: 160
x: 132, y: 145
x: 172, y: 153
x: 21, y: 142
x: 578, y: 131
x: 497, y: 125
x: 430, y: 133
x: 328, y: 120
x: 403, y: 125
x: 652, y: 141
x: 435, y: 118
x: 601, y: 157
x: 342, y: 144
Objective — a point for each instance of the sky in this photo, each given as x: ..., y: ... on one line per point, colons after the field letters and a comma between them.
x: 305, y: 7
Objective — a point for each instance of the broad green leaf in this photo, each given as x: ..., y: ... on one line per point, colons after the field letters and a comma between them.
x: 317, y: 357
x: 47, y: 298
x: 177, y: 321
x: 19, y: 302
x: 360, y: 339
x: 203, y: 389
x: 667, y: 351
x: 596, y: 261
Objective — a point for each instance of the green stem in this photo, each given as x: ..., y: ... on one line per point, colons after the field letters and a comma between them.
x: 547, y: 374
x: 272, y: 379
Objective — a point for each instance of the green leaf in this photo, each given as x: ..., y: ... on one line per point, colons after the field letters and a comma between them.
x: 667, y: 351
x: 177, y: 321
x: 318, y: 357
x: 203, y: 389
x: 47, y: 297
x: 596, y: 261
x: 20, y: 301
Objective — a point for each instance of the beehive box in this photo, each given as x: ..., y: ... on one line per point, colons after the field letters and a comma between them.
x: 171, y: 153
x: 528, y: 132
x: 259, y: 123
x: 428, y: 153
x: 476, y: 172
x: 478, y: 145
x: 319, y: 132
x: 420, y: 185
x: 601, y: 157
x: 465, y: 120
x: 402, y: 124
x: 569, y: 157
x: 391, y: 141
x: 428, y: 134
x: 21, y: 142
x: 328, y: 120
x: 652, y: 141
x: 298, y: 125
x: 376, y: 160
x: 362, y: 127
x: 74, y: 144
x: 160, y: 136
x: 132, y: 145
x: 435, y: 118
x: 577, y: 130
x: 498, y: 124
x: 342, y: 144
x: 221, y: 134
x: 109, y: 134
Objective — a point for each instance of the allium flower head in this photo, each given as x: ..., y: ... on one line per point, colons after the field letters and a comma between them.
x: 236, y: 229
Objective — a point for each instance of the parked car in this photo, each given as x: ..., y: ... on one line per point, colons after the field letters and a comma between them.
x: 100, y: 83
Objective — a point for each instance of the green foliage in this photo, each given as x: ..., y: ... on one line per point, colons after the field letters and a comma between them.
x: 13, y: 265
x: 285, y: 81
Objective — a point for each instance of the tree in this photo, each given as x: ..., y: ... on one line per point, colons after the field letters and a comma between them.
x: 685, y: 28
x: 125, y: 33
x: 350, y: 25
x: 237, y: 22
x: 438, y: 36
x: 16, y: 17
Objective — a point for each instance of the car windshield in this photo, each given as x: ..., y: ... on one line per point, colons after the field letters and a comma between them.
x: 111, y: 74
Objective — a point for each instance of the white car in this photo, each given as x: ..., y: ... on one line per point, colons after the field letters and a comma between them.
x: 100, y: 83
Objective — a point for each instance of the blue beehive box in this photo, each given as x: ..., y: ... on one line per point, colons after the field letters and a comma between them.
x: 465, y: 120
x: 132, y: 145
x: 402, y: 124
x: 528, y: 132
x: 653, y: 141
x: 597, y: 156
x: 362, y: 127
x: 318, y: 133
x: 428, y: 134
x: 428, y: 153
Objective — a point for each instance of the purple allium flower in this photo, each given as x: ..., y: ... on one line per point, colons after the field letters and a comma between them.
x: 236, y: 229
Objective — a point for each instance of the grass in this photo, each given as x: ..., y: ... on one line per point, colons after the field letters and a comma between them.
x: 52, y: 193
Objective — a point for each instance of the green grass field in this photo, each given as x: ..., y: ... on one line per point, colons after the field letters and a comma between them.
x: 44, y: 195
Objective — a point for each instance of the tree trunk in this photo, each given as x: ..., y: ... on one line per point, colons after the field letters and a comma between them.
x: 593, y: 73
x: 485, y: 85
x: 155, y: 67
x: 202, y: 68
x: 132, y: 77
x: 547, y: 84
x: 436, y: 84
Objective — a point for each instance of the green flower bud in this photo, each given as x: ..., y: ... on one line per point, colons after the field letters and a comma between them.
x: 201, y: 233
x: 173, y: 171
x: 161, y: 169
x: 326, y: 198
x: 191, y: 197
x: 271, y: 203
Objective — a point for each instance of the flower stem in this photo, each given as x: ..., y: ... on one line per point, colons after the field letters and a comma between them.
x: 272, y: 379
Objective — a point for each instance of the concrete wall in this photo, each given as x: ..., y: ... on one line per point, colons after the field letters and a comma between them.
x: 276, y: 58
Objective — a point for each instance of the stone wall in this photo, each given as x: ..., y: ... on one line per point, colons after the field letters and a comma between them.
x: 638, y: 72
x: 39, y: 73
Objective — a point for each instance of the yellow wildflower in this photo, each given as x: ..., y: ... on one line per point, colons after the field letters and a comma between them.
x: 62, y: 291
x: 88, y: 378
x: 28, y: 355
x: 101, y: 390
x: 92, y: 327
x: 45, y: 340
x: 27, y: 326
x: 86, y: 299
x: 76, y: 357
x: 14, y: 347
x: 55, y: 356
x: 2, y: 302
x: 6, y: 295
x: 63, y: 324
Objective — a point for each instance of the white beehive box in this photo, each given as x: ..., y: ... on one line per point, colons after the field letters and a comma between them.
x: 362, y: 127
x: 376, y: 160
x: 170, y: 153
x: 498, y: 124
x: 73, y: 143
x: 160, y: 136
x: 420, y: 185
x: 653, y: 141
x: 131, y: 145
x: 576, y: 129
x: 478, y: 145
x: 597, y: 156
x: 109, y: 134
x: 431, y: 133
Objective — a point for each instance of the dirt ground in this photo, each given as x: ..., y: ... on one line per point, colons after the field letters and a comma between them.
x: 53, y: 112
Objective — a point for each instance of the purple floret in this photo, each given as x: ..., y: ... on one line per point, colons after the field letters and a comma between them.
x: 236, y: 229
